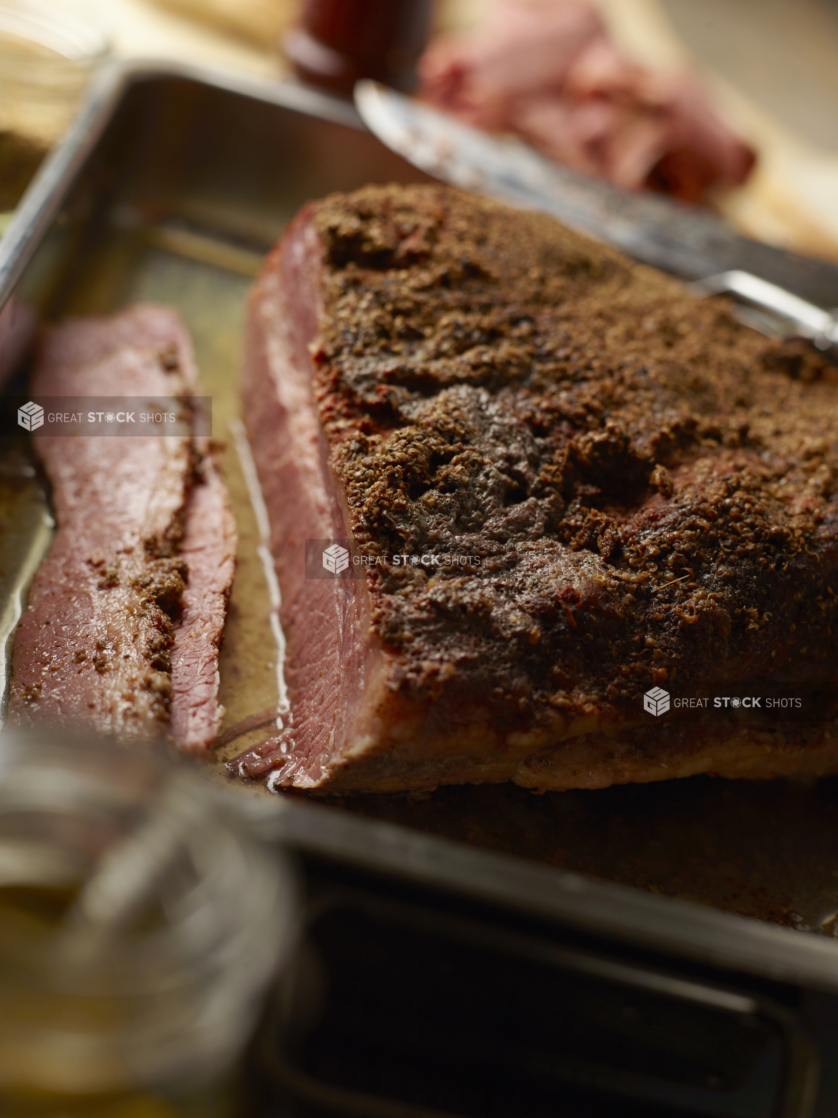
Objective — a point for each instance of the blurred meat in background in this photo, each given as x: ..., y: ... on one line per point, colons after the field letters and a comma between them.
x: 666, y: 94
x: 551, y: 73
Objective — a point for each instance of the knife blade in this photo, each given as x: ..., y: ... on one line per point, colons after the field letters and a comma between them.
x: 684, y: 240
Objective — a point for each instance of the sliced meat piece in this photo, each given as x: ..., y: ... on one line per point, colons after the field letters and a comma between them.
x: 331, y: 659
x: 518, y: 50
x: 145, y: 543
x: 568, y: 482
x: 208, y: 549
x: 549, y: 71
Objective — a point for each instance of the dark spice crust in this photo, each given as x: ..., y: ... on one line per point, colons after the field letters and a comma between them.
x: 145, y: 587
x: 649, y: 486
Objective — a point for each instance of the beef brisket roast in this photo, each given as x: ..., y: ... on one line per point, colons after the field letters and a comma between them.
x: 126, y: 611
x: 565, y: 482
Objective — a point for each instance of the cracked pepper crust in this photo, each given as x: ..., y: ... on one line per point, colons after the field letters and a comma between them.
x: 649, y: 486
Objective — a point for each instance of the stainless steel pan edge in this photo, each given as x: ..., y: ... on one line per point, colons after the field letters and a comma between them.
x: 675, y: 927
x: 666, y: 924
x: 55, y: 178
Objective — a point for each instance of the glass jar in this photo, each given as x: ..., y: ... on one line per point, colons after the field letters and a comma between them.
x: 47, y: 54
x: 143, y: 1015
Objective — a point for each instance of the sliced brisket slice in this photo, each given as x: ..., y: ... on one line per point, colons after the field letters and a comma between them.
x: 208, y: 549
x: 125, y: 613
x: 646, y: 489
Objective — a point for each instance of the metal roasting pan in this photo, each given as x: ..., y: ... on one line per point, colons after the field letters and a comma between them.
x: 171, y: 185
